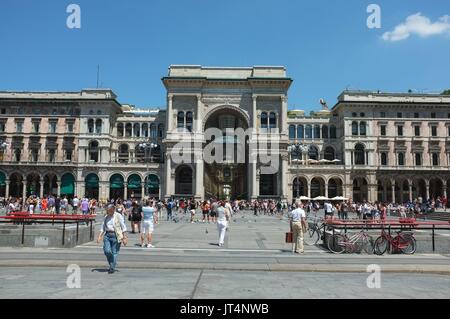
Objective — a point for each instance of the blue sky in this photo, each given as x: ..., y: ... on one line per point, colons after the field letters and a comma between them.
x: 325, y: 45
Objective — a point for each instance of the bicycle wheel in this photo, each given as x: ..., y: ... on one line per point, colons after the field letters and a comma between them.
x: 311, y: 237
x: 336, y: 243
x: 369, y: 245
x: 381, y: 245
x: 410, y: 243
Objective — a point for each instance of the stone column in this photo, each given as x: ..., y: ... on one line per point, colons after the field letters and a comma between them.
x: 169, y: 113
x: 284, y: 176
x: 254, y: 115
x: 199, y: 173
x: 58, y: 193
x: 125, y: 190
x: 198, y: 115
x: 142, y: 190
x: 24, y: 191
x: 254, y: 181
x: 444, y: 186
x: 309, y: 189
x: 326, y: 189
x: 41, y: 189
x: 283, y: 115
x: 7, y: 189
x: 132, y: 130
x: 393, y: 191
x: 427, y: 185
x: 168, y: 175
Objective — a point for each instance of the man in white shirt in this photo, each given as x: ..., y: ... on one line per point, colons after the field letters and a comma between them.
x: 113, y: 232
x: 299, y: 226
x: 328, y: 210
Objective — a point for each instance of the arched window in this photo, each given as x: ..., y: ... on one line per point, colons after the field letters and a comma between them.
x: 160, y: 130
x: 332, y: 131
x: 123, y: 153
x: 300, y: 132
x: 316, y: 131
x: 264, y: 120
x: 354, y: 128
x: 360, y: 155
x: 93, y: 151
x: 362, y: 128
x: 128, y: 130
x: 189, y: 121
x: 308, y: 131
x: 401, y: 159
x: 292, y: 132
x: 137, y: 130
x: 329, y: 153
x: 120, y: 130
x: 325, y: 131
x: 98, y: 126
x: 272, y: 120
x: 180, y: 120
x: 153, y: 131
x: 313, y: 153
x: 91, y: 126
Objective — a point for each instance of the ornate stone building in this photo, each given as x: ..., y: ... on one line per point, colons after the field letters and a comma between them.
x: 369, y: 146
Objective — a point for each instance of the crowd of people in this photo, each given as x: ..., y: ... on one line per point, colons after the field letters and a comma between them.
x: 51, y: 204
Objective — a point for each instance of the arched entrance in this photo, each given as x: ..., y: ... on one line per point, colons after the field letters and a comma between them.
x: 152, y: 186
x: 225, y: 170
x: 33, y: 184
x: 134, y: 188
x: 91, y: 183
x: 16, y: 185
x: 2, y: 184
x: 317, y: 187
x: 360, y: 190
x: 335, y: 187
x: 116, y: 187
x: 68, y: 185
x: 50, y: 184
x: 436, y: 188
x: 299, y: 187
x: 183, y: 181
x: 421, y: 189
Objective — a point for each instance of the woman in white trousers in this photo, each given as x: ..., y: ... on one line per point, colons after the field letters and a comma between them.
x: 223, y: 215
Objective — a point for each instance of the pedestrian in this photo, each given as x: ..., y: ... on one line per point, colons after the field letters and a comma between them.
x: 299, y: 227
x: 113, y: 232
x: 136, y: 217
x: 213, y: 211
x: 148, y: 219
x: 205, y: 211
x: 192, y: 208
x: 75, y: 203
x: 169, y: 207
x: 57, y: 205
x: 328, y: 208
x: 85, y: 206
x: 223, y: 216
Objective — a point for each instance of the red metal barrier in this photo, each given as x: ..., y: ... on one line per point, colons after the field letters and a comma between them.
x: 20, y: 216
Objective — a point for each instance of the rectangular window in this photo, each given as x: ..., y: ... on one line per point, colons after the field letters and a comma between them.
x: 3, y: 127
x: 417, y: 130
x: 433, y: 115
x: 416, y: 115
x: 448, y: 129
x: 52, y: 127
x: 3, y: 111
x: 384, y: 159
x: 434, y: 131
x: 382, y: 114
x: 70, y: 128
x: 36, y: 126
x: 19, y: 127
x: 383, y: 130
x: 399, y: 115
x: 51, y: 155
x: 401, y: 159
x: 418, y: 158
x: 400, y: 130
x: 34, y: 155
x: 69, y: 155
x: 435, y: 159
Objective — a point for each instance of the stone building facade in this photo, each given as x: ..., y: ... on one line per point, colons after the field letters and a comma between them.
x: 370, y: 146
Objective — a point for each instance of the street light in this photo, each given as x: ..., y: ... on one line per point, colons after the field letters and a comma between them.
x: 147, y: 146
x: 297, y: 148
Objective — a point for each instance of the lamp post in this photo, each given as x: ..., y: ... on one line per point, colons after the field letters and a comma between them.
x: 297, y: 148
x: 147, y: 146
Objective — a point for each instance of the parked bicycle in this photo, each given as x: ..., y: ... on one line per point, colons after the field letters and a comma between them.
x: 315, y: 231
x: 356, y: 243
x: 404, y: 242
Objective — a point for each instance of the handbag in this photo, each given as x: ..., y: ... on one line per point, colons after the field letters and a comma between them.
x: 289, y: 238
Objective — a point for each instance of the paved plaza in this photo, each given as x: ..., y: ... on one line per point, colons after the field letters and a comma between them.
x: 187, y: 263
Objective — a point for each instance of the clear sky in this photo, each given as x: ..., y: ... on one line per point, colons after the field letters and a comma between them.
x: 326, y: 46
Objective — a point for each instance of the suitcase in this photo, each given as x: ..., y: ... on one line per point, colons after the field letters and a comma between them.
x: 289, y: 237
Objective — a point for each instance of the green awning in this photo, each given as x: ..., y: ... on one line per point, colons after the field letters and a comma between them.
x: 67, y: 184
x: 91, y: 181
x: 134, y: 182
x: 116, y: 182
x: 152, y: 182
x: 2, y: 179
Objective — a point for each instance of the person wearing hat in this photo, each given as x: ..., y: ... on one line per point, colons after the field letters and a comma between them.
x: 113, y: 232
